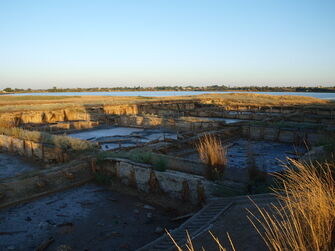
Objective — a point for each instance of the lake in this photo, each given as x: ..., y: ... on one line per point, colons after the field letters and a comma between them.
x: 170, y: 93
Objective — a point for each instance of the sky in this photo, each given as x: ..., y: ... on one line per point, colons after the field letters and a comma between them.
x: 106, y: 43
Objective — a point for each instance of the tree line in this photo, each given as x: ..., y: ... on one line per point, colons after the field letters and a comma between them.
x: 177, y: 88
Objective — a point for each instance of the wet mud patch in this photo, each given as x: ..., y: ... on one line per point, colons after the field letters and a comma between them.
x: 11, y: 165
x: 88, y: 217
x: 267, y: 156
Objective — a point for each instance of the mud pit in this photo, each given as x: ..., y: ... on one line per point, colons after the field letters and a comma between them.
x: 89, y: 217
x: 268, y: 156
x: 119, y: 137
x: 12, y: 165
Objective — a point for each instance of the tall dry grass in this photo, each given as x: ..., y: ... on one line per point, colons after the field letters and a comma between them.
x: 305, y: 218
x: 190, y: 247
x: 212, y: 153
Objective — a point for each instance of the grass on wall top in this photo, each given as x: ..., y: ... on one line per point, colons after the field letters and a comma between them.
x: 63, y: 142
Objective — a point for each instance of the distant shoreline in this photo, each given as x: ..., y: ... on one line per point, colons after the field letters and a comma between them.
x: 311, y: 90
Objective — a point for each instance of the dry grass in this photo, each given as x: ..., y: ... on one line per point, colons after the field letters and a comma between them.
x: 189, y: 244
x: 64, y: 142
x: 19, y: 103
x: 305, y: 218
x: 212, y: 153
x: 252, y: 99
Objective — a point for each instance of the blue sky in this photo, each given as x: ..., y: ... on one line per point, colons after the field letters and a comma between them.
x: 78, y: 43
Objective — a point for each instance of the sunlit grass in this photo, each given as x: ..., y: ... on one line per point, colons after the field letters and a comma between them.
x: 305, y: 218
x: 212, y: 153
x: 19, y: 103
x: 64, y: 142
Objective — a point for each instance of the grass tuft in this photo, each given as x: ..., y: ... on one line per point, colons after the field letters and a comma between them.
x: 213, y: 154
x: 305, y: 218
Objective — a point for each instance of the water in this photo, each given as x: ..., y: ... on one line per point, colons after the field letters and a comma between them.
x: 120, y: 137
x: 170, y: 93
x: 94, y: 134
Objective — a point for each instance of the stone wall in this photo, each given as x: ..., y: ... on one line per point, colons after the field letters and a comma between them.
x: 177, y: 185
x: 288, y: 135
x: 184, y: 165
x: 60, y: 127
x: 174, y: 185
x: 30, y: 149
x: 205, y: 108
x: 180, y: 123
x: 293, y: 115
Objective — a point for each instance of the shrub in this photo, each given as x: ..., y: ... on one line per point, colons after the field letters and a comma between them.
x: 142, y: 157
x: 160, y: 164
x: 102, y: 178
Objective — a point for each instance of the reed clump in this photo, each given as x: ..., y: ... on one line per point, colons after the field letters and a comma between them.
x: 305, y: 217
x: 212, y: 153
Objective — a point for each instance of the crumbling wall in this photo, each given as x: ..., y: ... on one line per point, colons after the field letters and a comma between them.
x: 29, y: 186
x: 177, y: 185
x: 179, y: 123
x: 30, y: 149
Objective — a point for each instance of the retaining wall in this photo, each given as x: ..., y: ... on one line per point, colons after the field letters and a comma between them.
x: 177, y: 185
x: 184, y: 165
x: 35, y: 184
x: 289, y: 135
x: 181, y: 123
x: 30, y: 149
x: 204, y: 108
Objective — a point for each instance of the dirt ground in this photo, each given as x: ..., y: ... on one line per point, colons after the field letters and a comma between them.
x: 89, y: 217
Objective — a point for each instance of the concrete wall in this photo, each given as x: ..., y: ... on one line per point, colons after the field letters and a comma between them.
x: 284, y: 135
x: 180, y: 123
x: 169, y: 184
x: 177, y: 185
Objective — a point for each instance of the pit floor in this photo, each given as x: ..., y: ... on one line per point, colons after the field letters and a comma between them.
x: 12, y: 165
x: 89, y: 217
x: 268, y: 156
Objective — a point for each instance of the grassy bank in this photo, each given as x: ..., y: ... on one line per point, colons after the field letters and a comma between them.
x: 19, y: 103
x: 63, y: 142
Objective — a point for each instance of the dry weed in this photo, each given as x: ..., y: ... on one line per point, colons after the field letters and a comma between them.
x: 305, y: 218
